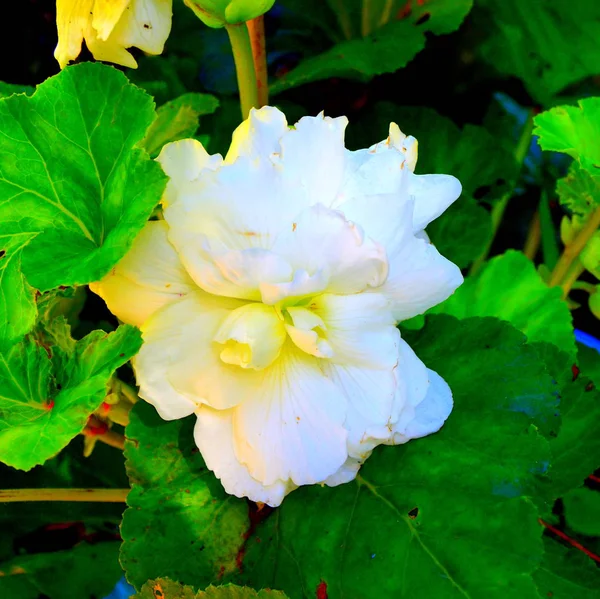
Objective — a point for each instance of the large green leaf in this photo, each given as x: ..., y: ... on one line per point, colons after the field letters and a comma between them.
x: 566, y: 573
x: 386, y: 50
x: 464, y: 229
x: 82, y: 572
x: 71, y: 176
x: 510, y: 288
x: 573, y: 130
x: 582, y: 511
x: 535, y: 41
x: 178, y: 119
x: 435, y: 517
x: 163, y: 588
x: 180, y: 522
x: 8, y: 89
x: 45, y: 401
x: 17, y: 298
x: 579, y: 191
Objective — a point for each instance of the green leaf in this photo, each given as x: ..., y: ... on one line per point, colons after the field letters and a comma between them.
x: 386, y: 50
x: 8, y: 89
x: 167, y: 589
x: 566, y: 573
x: 17, y: 298
x: 84, y: 571
x: 510, y: 288
x: 175, y: 503
x: 71, y: 176
x: 573, y: 130
x: 579, y: 192
x: 435, y: 517
x: 178, y: 119
x: 534, y: 41
x: 576, y: 448
x: 42, y: 408
x: 582, y: 511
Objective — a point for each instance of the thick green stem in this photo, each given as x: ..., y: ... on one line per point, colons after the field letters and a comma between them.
x: 92, y: 495
x: 572, y: 251
x: 534, y: 237
x: 573, y: 273
x: 244, y: 67
x: 365, y: 20
x: 340, y: 10
x: 500, y: 206
x: 386, y: 14
x: 256, y: 29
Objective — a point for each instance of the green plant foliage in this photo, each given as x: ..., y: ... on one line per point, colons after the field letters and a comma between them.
x: 71, y: 175
x: 178, y: 119
x: 167, y: 589
x: 84, y: 571
x: 548, y: 45
x: 566, y: 573
x: 539, y: 312
x: 48, y: 394
x: 8, y: 89
x: 176, y: 502
x: 582, y: 511
x: 384, y: 51
x: 579, y: 191
x: 572, y: 130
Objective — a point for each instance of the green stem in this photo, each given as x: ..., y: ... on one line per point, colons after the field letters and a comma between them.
x: 573, y: 273
x: 584, y: 286
x: 244, y: 67
x: 500, y: 206
x: 572, y: 251
x: 91, y: 495
x: 386, y: 14
x: 534, y: 237
x: 339, y: 8
x: 365, y: 20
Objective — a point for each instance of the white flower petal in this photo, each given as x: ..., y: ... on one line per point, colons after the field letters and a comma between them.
x: 430, y: 413
x: 179, y: 354
x: 213, y: 434
x: 433, y: 194
x: 419, y: 278
x: 72, y: 23
x: 291, y: 428
x: 347, y: 472
x: 147, y: 278
x: 106, y: 15
x: 259, y: 135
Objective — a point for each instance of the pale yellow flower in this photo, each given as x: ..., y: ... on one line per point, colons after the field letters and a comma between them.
x: 109, y: 27
x: 268, y: 300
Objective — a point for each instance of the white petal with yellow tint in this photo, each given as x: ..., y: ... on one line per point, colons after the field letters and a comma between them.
x: 147, y: 278
x: 252, y: 336
x: 179, y: 348
x: 213, y: 434
x: 291, y: 427
x: 433, y: 194
x: 72, y: 22
x: 259, y: 135
x: 106, y: 15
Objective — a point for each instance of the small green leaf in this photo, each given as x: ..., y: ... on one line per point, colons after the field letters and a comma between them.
x: 178, y: 119
x: 8, y: 89
x: 167, y: 589
x: 579, y: 192
x: 386, y: 50
x: 573, y: 130
x: 566, y: 573
x: 82, y: 572
x: 71, y: 176
x: 175, y: 503
x: 510, y: 288
x: 535, y: 41
x: 582, y: 511
x: 46, y: 401
x: 17, y: 298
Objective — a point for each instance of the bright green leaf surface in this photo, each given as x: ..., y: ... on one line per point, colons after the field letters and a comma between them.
x: 510, y: 288
x: 579, y: 192
x: 175, y: 590
x: 17, y: 298
x: 42, y: 410
x: 386, y: 50
x: 435, y: 517
x: 71, y: 176
x: 582, y: 511
x: 82, y: 572
x: 573, y: 130
x: 180, y: 522
x: 566, y: 573
x: 178, y: 119
x: 546, y: 44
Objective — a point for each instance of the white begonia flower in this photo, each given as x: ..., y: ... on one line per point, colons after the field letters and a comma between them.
x: 269, y: 296
x: 109, y: 27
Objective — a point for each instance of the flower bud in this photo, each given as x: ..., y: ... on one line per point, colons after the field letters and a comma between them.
x: 218, y: 13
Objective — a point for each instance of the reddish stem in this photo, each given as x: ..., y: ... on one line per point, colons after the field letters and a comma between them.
x: 568, y: 539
